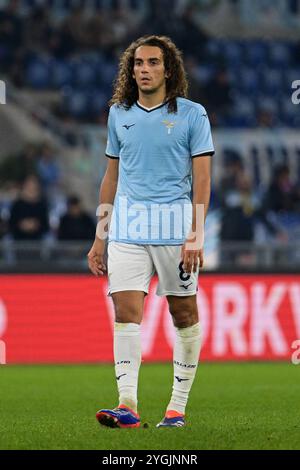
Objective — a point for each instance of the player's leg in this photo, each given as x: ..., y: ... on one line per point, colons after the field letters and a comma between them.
x: 127, y: 356
x: 180, y: 289
x: 127, y: 344
x: 129, y: 271
x: 187, y: 346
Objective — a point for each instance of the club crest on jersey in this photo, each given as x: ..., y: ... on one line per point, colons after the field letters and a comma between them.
x: 169, y: 125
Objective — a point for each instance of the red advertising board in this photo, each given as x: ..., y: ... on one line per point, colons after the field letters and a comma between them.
x: 69, y: 318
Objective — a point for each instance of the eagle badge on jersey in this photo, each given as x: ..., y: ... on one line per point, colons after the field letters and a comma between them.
x: 169, y: 125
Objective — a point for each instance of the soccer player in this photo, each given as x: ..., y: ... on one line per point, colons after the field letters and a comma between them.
x: 159, y: 148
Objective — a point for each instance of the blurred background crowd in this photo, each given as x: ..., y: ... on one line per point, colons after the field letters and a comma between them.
x: 59, y: 58
x: 75, y: 49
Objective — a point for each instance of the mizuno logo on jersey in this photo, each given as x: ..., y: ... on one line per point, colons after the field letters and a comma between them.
x: 127, y: 126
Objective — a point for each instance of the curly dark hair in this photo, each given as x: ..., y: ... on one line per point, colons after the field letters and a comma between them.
x: 125, y: 87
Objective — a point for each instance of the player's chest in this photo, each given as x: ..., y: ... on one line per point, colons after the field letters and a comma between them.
x: 152, y: 132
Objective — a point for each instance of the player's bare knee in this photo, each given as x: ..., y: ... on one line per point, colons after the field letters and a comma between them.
x: 127, y: 315
x: 184, y: 317
x: 128, y: 307
x: 184, y: 311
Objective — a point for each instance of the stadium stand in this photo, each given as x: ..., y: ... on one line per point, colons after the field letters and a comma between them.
x: 60, y: 59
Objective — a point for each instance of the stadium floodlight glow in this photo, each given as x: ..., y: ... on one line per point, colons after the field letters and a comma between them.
x: 2, y: 92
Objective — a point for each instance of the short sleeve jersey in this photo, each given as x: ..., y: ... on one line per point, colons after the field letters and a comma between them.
x: 155, y: 148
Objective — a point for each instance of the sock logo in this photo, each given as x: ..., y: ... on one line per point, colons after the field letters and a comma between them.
x: 180, y: 380
x: 122, y: 362
x: 187, y: 366
x: 118, y: 378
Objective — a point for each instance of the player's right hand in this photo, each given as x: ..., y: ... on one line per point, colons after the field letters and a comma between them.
x: 96, y: 258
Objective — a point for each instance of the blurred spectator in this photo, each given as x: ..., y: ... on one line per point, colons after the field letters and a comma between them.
x: 10, y: 32
x: 29, y: 213
x: 76, y: 224
x: 196, y: 88
x: 241, y: 210
x: 37, y: 29
x: 184, y: 30
x: 3, y: 227
x: 217, y: 95
x: 48, y: 169
x: 296, y: 52
x: 296, y: 198
x: 97, y: 29
x: 156, y: 21
x: 233, y: 168
x: 18, y: 167
x: 120, y: 24
x: 188, y: 35
x: 281, y: 195
x: 75, y: 26
x: 61, y: 42
x: 265, y: 118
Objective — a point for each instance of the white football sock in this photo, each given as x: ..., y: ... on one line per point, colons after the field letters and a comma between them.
x: 185, y: 358
x: 127, y: 355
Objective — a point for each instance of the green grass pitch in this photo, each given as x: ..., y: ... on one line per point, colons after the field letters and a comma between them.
x: 232, y: 406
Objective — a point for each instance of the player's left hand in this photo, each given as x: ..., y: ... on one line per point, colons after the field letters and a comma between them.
x: 191, y: 258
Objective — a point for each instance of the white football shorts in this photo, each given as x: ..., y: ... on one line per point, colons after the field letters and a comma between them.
x: 131, y: 267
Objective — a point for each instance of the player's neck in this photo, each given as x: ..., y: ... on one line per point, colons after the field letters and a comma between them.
x: 151, y: 101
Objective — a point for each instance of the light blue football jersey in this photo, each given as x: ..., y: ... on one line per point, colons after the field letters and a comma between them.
x: 155, y: 148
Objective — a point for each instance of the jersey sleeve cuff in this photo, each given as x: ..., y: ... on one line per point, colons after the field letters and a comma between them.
x: 202, y: 153
x: 112, y: 156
